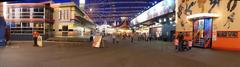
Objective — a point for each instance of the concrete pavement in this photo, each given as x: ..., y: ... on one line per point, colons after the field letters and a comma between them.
x: 124, y: 54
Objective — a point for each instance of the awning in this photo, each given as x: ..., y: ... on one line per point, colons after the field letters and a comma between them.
x: 203, y: 15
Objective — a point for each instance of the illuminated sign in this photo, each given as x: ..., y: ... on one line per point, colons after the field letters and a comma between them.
x: 164, y: 7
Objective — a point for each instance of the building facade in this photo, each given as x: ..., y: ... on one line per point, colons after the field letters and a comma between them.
x: 70, y: 20
x: 209, y: 23
x: 24, y: 18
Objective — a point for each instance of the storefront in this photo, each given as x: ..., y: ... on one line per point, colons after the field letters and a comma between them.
x: 70, y: 20
x: 24, y: 18
x: 159, y: 19
x: 209, y: 24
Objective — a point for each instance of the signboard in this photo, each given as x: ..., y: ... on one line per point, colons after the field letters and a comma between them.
x: 164, y: 7
x: 40, y: 41
x: 97, y: 41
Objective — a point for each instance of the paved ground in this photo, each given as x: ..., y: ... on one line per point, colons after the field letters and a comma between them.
x: 124, y: 54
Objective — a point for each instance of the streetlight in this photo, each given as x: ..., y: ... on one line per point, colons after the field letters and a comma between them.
x: 91, y: 9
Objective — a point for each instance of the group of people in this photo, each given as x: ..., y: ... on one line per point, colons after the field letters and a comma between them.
x: 181, y: 44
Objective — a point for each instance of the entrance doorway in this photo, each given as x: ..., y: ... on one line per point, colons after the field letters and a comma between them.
x: 202, y: 32
x: 65, y: 30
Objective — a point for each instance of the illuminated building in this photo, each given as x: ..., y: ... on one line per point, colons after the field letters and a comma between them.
x: 70, y: 20
x: 209, y: 23
x: 157, y: 21
x: 24, y: 18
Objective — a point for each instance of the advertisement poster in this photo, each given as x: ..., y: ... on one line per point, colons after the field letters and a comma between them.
x: 40, y: 41
x: 97, y: 41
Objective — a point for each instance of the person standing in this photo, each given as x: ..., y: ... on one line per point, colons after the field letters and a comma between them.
x: 176, y: 43
x: 35, y: 35
x: 114, y: 38
x: 189, y: 45
x: 132, y: 38
x: 181, y: 41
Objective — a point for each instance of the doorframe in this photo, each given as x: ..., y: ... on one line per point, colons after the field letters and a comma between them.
x: 193, y: 27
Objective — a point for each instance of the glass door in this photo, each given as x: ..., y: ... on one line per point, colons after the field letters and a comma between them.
x: 202, y: 31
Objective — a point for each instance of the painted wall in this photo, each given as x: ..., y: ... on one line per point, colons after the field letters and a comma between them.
x: 228, y: 11
x: 1, y: 8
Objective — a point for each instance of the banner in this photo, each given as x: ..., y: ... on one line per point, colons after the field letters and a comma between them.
x: 97, y: 41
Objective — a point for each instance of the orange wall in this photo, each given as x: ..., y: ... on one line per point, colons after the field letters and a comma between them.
x: 203, y: 6
x: 227, y: 43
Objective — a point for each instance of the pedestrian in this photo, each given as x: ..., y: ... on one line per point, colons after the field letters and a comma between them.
x: 132, y: 38
x: 114, y: 38
x: 35, y: 35
x: 176, y: 43
x: 181, y: 41
x: 91, y: 38
x: 102, y: 42
x: 189, y: 45
x: 7, y: 34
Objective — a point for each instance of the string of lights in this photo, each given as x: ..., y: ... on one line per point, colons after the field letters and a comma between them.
x: 110, y: 3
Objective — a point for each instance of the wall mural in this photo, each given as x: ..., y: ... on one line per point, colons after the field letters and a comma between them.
x: 188, y: 10
x: 230, y: 19
x: 232, y: 4
x: 183, y: 24
x: 213, y: 3
x: 180, y: 8
x: 201, y: 4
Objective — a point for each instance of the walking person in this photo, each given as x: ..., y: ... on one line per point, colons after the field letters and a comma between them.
x: 189, y: 45
x: 113, y: 38
x: 35, y: 35
x: 181, y: 41
x: 132, y: 38
x: 176, y: 43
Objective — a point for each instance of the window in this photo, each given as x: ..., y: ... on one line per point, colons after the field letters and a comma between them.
x: 18, y: 24
x: 65, y: 28
x: 38, y: 25
x: 60, y: 14
x: 24, y: 16
x: 25, y: 10
x: 38, y: 9
x: 13, y: 9
x: 25, y: 24
x: 25, y: 13
x: 38, y: 14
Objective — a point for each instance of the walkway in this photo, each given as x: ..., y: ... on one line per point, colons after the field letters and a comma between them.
x: 124, y: 54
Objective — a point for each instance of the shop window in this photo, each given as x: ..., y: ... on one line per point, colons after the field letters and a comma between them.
x: 228, y: 34
x: 232, y: 34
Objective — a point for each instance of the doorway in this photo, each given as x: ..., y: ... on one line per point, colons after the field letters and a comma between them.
x: 202, y: 32
x: 65, y: 30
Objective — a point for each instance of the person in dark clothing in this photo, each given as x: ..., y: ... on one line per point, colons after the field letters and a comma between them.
x: 35, y: 35
x: 91, y: 38
x: 181, y: 41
